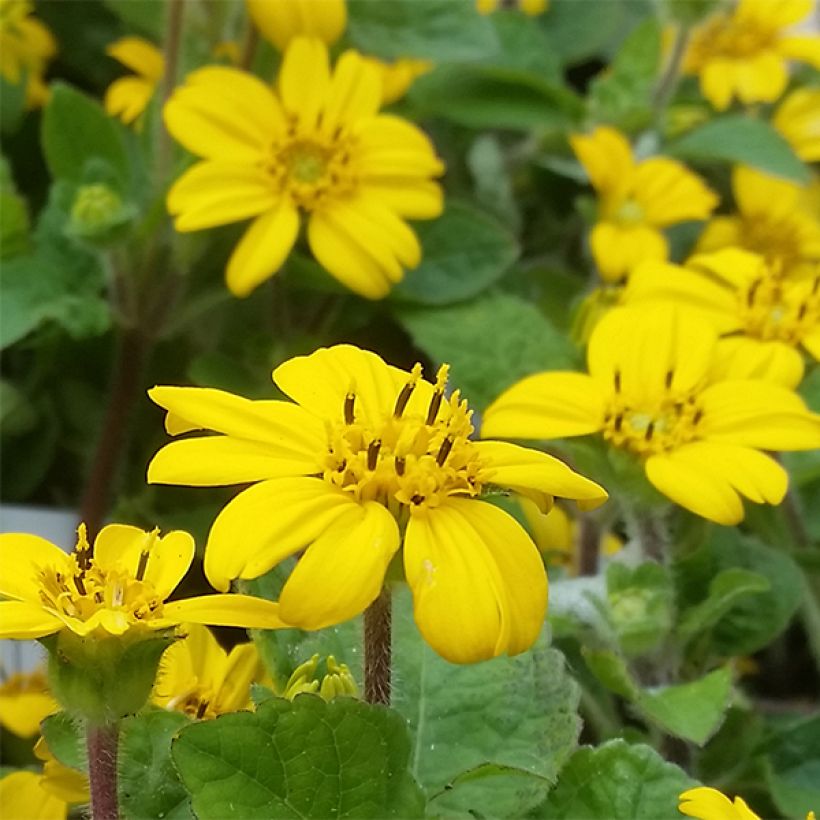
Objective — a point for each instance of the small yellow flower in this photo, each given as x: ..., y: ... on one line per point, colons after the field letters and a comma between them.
x: 398, y: 76
x: 798, y: 119
x: 774, y: 219
x: 637, y: 199
x: 199, y: 678
x: 767, y: 318
x: 367, y: 452
x: 120, y: 588
x: 25, y: 701
x: 26, y: 46
x: 338, y: 680
x: 315, y: 146
x: 705, y: 803
x: 531, y: 8
x: 128, y: 97
x: 649, y: 391
x: 744, y: 53
x: 280, y: 21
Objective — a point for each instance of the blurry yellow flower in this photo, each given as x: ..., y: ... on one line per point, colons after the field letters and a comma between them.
x: 531, y: 8
x: 120, y: 588
x: 65, y: 783
x: 26, y: 46
x: 766, y: 317
x: 798, y: 119
x: 366, y: 451
x: 775, y: 219
x: 398, y: 76
x: 556, y: 535
x: 280, y: 21
x: 22, y: 795
x: 128, y: 97
x: 743, y: 53
x: 649, y: 392
x: 338, y: 680
x: 705, y: 803
x: 198, y: 677
x: 316, y: 145
x: 227, y: 51
x: 637, y: 199
x: 25, y: 701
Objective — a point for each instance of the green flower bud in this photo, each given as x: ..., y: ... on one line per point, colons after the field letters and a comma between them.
x: 97, y: 213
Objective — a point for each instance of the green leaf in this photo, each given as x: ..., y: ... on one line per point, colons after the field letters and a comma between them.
x: 725, y: 589
x: 515, y: 713
x: 757, y: 617
x: 524, y: 46
x: 611, y: 670
x: 491, y: 342
x: 148, y: 784
x: 75, y: 129
x: 14, y: 226
x: 793, y: 768
x: 12, y: 103
x: 575, y: 37
x: 432, y: 29
x: 143, y: 15
x: 692, y: 711
x: 739, y: 139
x: 616, y: 781
x: 302, y: 759
x: 64, y: 737
x: 463, y: 252
x: 487, y: 96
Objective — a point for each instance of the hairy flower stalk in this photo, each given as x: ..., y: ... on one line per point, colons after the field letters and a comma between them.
x: 102, y: 746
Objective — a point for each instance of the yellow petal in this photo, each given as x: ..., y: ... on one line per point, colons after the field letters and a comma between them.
x: 522, y: 468
x: 734, y: 266
x: 280, y: 21
x: 218, y: 193
x: 128, y: 97
x: 263, y: 249
x: 304, y: 79
x: 342, y: 571
x: 268, y: 522
x: 756, y: 192
x: 22, y: 712
x: 215, y: 461
x: 389, y: 147
x: 802, y: 47
x: 22, y: 557
x: 141, y: 56
x: 410, y: 198
x: 716, y: 82
x: 761, y: 78
x: 355, y: 92
x: 606, y: 156
x: 226, y: 610
x: 741, y: 357
x: 757, y: 414
x: 243, y: 667
x: 618, y: 249
x: 669, y: 192
x: 346, y: 257
x: 24, y: 620
x: 709, y: 804
x: 224, y: 113
x: 547, y: 405
x: 479, y: 587
x: 22, y: 796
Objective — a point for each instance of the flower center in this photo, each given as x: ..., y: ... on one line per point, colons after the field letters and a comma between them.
x: 647, y: 428
x: 406, y: 459
x: 88, y: 588
x: 197, y: 702
x: 311, y: 168
x: 629, y: 212
x: 727, y: 36
x: 777, y: 240
x: 770, y: 312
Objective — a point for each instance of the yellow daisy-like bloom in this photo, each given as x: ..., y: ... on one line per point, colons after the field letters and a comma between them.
x: 280, y: 21
x: 774, y: 219
x: 199, y: 678
x: 119, y: 588
x: 706, y: 803
x: 367, y: 451
x: 26, y: 46
x: 649, y: 391
x: 798, y: 119
x: 743, y: 53
x: 767, y: 318
x: 128, y: 97
x: 316, y: 146
x: 25, y: 701
x: 531, y: 8
x: 636, y: 200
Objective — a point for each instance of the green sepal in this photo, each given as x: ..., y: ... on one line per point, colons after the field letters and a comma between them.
x: 103, y: 679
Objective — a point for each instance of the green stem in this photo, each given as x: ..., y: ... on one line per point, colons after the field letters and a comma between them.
x: 649, y: 528
x: 378, y: 649
x: 669, y: 81
x: 102, y: 745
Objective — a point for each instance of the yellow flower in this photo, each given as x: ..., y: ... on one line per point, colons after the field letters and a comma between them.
x: 398, y: 76
x: 338, y: 680
x: 368, y: 449
x: 316, y: 145
x: 649, y: 391
x: 26, y: 46
x: 120, y: 588
x: 798, y: 119
x: 531, y: 8
x: 744, y: 53
x: 22, y: 795
x: 198, y: 677
x: 25, y: 701
x: 706, y: 803
x: 280, y: 21
x: 128, y: 97
x: 637, y: 199
x: 766, y: 317
x: 556, y: 535
x: 774, y: 219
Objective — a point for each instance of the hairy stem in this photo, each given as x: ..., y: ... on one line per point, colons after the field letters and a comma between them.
x: 378, y: 649
x: 649, y: 528
x: 588, y: 546
x: 668, y: 82
x: 101, y: 742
